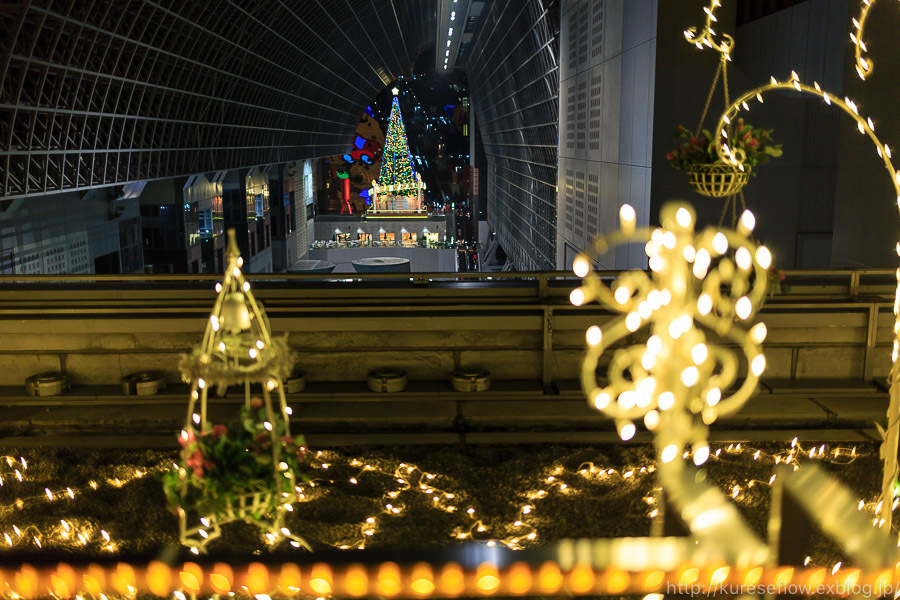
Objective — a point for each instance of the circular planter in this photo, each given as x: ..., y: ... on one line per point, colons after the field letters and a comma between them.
x: 474, y: 380
x: 717, y: 180
x: 143, y: 383
x: 388, y: 379
x: 47, y: 384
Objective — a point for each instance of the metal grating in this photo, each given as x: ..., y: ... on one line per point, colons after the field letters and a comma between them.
x: 513, y: 72
x: 117, y: 91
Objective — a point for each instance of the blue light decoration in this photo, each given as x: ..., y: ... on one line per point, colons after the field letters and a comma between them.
x: 369, y: 112
x: 449, y: 108
x: 363, y: 150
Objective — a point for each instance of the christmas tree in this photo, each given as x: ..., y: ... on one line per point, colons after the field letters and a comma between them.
x: 397, y: 163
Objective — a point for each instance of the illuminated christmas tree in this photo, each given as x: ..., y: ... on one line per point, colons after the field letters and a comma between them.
x: 399, y: 187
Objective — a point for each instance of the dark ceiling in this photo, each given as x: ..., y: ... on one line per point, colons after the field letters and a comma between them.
x: 97, y: 92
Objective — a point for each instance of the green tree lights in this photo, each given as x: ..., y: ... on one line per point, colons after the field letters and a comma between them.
x: 397, y: 163
x: 399, y: 188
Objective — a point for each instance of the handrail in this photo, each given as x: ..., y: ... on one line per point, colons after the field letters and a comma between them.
x: 792, y: 274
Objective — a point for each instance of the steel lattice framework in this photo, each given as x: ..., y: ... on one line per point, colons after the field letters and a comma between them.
x: 513, y: 70
x: 101, y: 92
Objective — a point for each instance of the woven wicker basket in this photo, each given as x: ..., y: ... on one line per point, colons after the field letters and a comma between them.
x: 717, y: 180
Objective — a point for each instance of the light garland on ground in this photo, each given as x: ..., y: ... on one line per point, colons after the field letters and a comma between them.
x: 523, y: 531
x: 555, y: 479
x: 14, y: 471
x: 408, y: 478
x: 71, y: 533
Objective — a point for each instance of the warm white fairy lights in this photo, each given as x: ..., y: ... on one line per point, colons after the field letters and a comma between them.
x: 701, y: 288
x: 682, y: 302
x: 865, y: 127
x: 522, y: 530
x: 555, y: 480
x: 237, y: 349
x: 707, y: 36
x: 71, y: 533
x: 864, y: 65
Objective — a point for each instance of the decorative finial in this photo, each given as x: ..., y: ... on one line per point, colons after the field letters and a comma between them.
x: 681, y: 379
x: 231, y: 250
x: 396, y: 91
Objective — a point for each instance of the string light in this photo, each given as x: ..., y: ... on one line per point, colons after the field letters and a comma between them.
x: 520, y: 531
x: 443, y: 580
x: 864, y: 65
x: 707, y: 36
x: 238, y: 330
x: 678, y: 309
x: 72, y: 533
x: 397, y: 176
x: 864, y: 125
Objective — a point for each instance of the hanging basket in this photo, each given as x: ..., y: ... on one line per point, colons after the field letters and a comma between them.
x: 717, y: 180
x: 249, y: 470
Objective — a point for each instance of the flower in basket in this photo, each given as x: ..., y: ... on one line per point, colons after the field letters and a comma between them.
x: 221, y: 464
x: 700, y: 149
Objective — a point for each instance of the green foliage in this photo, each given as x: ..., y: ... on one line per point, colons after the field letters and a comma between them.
x: 397, y: 165
x: 222, y: 464
x: 757, y: 144
x: 776, y: 282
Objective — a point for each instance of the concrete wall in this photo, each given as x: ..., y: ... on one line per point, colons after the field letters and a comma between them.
x: 828, y: 202
x: 796, y: 193
x: 341, y: 332
x: 607, y: 71
x: 262, y: 262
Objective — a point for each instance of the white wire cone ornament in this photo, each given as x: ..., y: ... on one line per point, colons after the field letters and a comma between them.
x: 681, y: 378
x: 237, y: 349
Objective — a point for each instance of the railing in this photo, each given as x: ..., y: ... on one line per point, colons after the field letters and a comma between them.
x: 828, y: 347
x: 802, y: 281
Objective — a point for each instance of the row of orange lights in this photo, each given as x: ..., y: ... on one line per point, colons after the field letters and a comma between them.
x: 421, y: 580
